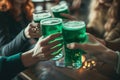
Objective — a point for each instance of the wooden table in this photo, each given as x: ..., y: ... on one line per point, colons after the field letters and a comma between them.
x: 48, y: 71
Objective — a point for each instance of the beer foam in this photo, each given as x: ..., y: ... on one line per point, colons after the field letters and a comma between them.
x: 74, y: 25
x: 51, y: 21
x: 59, y: 8
x: 41, y: 16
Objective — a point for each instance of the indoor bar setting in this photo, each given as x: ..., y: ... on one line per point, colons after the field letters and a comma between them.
x: 59, y: 39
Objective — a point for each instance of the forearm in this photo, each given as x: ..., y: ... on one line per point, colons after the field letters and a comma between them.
x: 14, y: 46
x: 114, y: 59
x: 10, y: 66
x: 110, y: 57
x: 114, y: 44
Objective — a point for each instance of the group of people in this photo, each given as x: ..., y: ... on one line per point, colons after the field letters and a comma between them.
x: 20, y: 46
x: 20, y: 49
x: 104, y: 21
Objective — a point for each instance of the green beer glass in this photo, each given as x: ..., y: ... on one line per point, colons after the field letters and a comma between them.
x: 58, y: 9
x: 51, y: 26
x: 73, y: 31
x: 38, y: 15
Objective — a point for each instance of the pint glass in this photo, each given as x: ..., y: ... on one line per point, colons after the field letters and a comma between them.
x: 51, y: 26
x: 73, y: 31
x: 38, y: 15
x: 58, y: 9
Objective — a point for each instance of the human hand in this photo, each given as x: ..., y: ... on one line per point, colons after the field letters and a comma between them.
x: 44, y: 48
x: 32, y: 30
x: 102, y: 41
x: 68, y: 16
x: 93, y: 47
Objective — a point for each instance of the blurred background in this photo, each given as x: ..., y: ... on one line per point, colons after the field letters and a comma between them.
x: 78, y: 8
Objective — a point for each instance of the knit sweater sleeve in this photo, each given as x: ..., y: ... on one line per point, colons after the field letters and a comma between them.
x: 10, y: 66
x: 12, y: 38
x: 14, y: 46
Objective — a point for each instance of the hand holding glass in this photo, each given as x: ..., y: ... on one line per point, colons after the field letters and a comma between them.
x: 73, y: 31
x: 51, y: 26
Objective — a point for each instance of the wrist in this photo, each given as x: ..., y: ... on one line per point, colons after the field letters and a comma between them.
x: 117, y: 67
x: 27, y: 58
x: 109, y: 57
x: 25, y: 35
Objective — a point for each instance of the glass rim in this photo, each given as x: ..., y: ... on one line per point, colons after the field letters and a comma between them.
x: 41, y: 14
x: 41, y: 11
x: 79, y: 26
x: 47, y: 19
x: 57, y: 7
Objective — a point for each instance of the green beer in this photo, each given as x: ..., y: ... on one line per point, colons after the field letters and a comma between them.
x: 73, y: 31
x: 38, y: 15
x: 51, y: 26
x: 57, y: 10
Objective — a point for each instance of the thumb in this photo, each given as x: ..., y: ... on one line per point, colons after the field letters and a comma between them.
x: 73, y: 46
x: 87, y: 47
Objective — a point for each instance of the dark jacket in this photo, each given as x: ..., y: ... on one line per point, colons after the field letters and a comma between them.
x: 12, y: 38
x: 10, y: 66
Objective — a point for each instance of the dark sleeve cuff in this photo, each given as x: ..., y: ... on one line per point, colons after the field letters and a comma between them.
x: 12, y: 66
x: 16, y: 61
x: 23, y: 35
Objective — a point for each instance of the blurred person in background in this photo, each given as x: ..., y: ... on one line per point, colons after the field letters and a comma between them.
x: 104, y: 22
x: 98, y: 16
x: 12, y: 65
x: 16, y: 32
x: 112, y: 26
x: 75, y: 6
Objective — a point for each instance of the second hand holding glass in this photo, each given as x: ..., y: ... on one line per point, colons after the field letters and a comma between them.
x: 52, y: 26
x: 73, y: 31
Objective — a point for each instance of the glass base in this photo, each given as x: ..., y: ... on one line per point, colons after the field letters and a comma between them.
x: 59, y: 55
x: 61, y: 63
